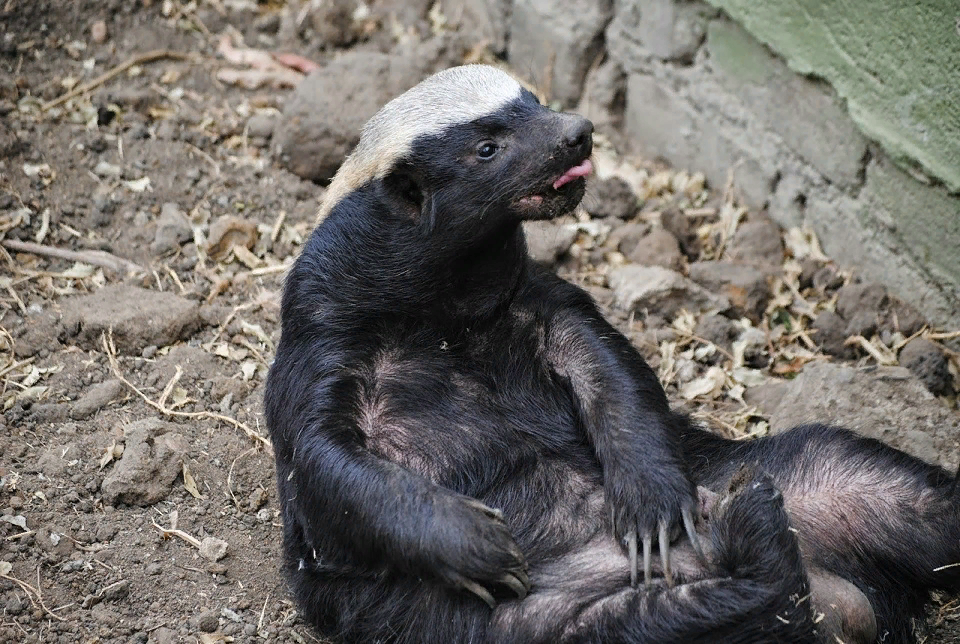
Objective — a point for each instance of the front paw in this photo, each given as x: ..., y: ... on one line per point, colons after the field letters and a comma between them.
x: 476, y: 550
x: 652, y: 507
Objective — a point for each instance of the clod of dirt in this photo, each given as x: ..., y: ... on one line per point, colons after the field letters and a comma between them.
x: 96, y: 398
x: 675, y: 221
x: 213, y: 549
x: 719, y: 330
x: 152, y: 459
x: 928, y: 363
x: 888, y: 403
x: 38, y: 333
x: 625, y: 237
x: 173, y: 229
x: 261, y: 125
x: 548, y: 240
x: 229, y: 231
x: 138, y: 317
x: 746, y: 286
x: 658, y: 248
x: 652, y: 288
x: 854, y: 298
x: 55, y: 460
x: 831, y: 332
x: 868, y: 308
x: 612, y: 197
x: 757, y: 242
x: 322, y: 118
x: 208, y: 621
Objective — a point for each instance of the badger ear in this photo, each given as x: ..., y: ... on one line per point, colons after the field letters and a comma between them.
x: 405, y: 187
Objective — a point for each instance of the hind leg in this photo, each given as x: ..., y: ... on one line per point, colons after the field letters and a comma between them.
x: 864, y: 511
x: 754, y: 588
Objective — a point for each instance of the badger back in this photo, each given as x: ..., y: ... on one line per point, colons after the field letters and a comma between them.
x: 444, y: 100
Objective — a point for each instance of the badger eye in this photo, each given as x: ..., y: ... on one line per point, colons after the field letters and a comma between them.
x: 487, y: 150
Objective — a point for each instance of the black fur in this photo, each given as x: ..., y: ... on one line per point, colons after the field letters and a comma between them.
x: 428, y: 372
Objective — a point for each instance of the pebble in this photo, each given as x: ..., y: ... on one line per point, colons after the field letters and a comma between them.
x: 98, y: 32
x: 758, y: 242
x: 208, y: 621
x: 929, y: 363
x: 659, y: 248
x: 106, y: 170
x: 213, y: 549
x: 660, y: 290
x: 745, y: 285
x: 612, y: 197
x: 547, y: 241
x: 96, y: 398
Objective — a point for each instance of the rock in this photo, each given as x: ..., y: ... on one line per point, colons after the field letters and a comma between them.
x: 661, y: 291
x: 604, y: 97
x: 679, y: 226
x: 929, y: 363
x: 855, y: 298
x: 719, y: 330
x: 887, y: 403
x: 625, y: 237
x: 757, y: 242
x: 667, y: 29
x: 863, y: 323
x: 208, y: 621
x: 484, y: 21
x: 96, y: 398
x: 261, y: 124
x: 98, y: 32
x: 744, y: 285
x: 548, y: 240
x: 213, y: 549
x: 827, y: 278
x: 561, y: 44
x: 138, y: 317
x: 163, y: 635
x: 107, y: 170
x: 152, y: 459
x: 173, y: 229
x: 831, y: 333
x: 333, y: 22
x: 903, y: 317
x: 321, y: 120
x: 612, y: 197
x: 659, y: 248
x: 55, y: 460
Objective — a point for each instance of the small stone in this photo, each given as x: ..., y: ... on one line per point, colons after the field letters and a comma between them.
x: 758, y: 242
x: 261, y: 125
x: 96, y: 398
x: 855, y: 298
x: 173, y: 229
x: 116, y: 591
x: 149, y: 352
x: 213, y: 549
x: 152, y: 459
x: 831, y: 334
x: 928, y: 363
x: 153, y: 569
x: 106, y: 170
x: 675, y: 221
x: 744, y: 285
x: 863, y: 322
x: 624, y: 238
x: 659, y: 248
x: 55, y: 460
x: 661, y: 291
x: 719, y: 330
x: 827, y: 279
x: 612, y: 197
x: 547, y: 241
x: 98, y: 32
x: 208, y: 621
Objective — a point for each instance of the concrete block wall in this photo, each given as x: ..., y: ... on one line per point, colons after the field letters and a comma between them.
x: 692, y: 83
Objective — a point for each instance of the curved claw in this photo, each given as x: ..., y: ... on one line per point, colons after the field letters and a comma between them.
x: 493, y: 513
x: 515, y: 584
x: 689, y: 526
x: 478, y: 590
x: 664, y: 544
x: 647, y: 563
x: 632, y: 552
x: 523, y: 577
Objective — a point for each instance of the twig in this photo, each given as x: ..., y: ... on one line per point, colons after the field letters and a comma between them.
x: 160, y: 406
x: 874, y: 352
x: 174, y: 532
x: 230, y: 476
x: 95, y: 257
x: 148, y: 57
x: 31, y: 592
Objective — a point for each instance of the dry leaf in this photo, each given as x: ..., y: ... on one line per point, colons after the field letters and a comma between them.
x: 189, y: 482
x: 710, y: 384
x: 18, y: 520
x: 138, y: 185
x: 108, y: 455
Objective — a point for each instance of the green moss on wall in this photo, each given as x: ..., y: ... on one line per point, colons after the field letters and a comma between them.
x: 896, y: 63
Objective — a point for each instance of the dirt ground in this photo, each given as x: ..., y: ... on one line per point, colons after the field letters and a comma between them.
x: 137, y: 493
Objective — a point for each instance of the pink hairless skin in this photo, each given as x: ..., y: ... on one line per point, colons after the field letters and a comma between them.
x: 575, y: 172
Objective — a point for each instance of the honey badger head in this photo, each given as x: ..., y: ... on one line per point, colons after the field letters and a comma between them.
x: 466, y: 150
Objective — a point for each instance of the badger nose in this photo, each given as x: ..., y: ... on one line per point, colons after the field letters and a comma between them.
x: 578, y: 132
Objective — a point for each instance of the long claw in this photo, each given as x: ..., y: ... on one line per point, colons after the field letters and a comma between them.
x: 479, y: 591
x: 647, y: 560
x: 493, y: 513
x: 664, y: 544
x: 524, y: 579
x: 515, y: 585
x: 632, y: 552
x: 688, y: 525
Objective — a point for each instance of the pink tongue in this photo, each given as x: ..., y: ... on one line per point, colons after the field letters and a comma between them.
x: 575, y: 172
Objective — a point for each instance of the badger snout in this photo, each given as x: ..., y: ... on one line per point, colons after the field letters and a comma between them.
x: 576, y: 137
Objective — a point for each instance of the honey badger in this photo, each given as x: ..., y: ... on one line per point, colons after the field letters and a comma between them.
x: 467, y: 451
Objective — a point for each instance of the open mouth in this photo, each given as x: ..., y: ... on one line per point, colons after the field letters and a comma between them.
x: 578, y: 171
